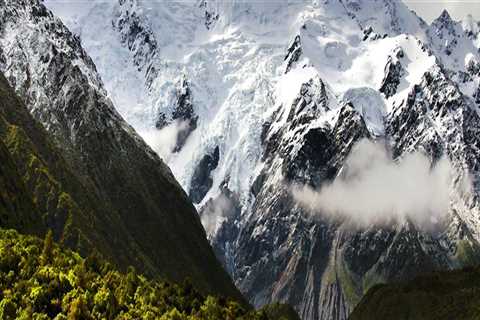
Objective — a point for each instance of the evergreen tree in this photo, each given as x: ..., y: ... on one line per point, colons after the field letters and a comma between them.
x: 47, y: 252
x: 40, y: 280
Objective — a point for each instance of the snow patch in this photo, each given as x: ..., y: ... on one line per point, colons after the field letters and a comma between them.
x: 371, y: 105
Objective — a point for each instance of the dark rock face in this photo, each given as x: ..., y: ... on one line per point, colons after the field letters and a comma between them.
x: 230, y: 206
x: 183, y: 114
x: 294, y: 52
x: 210, y: 15
x: 369, y: 34
x: 295, y: 252
x: 473, y: 67
x: 202, y: 180
x: 322, y: 265
x: 393, y: 73
x: 61, y: 88
x: 444, y: 28
x: 314, y: 154
x: 138, y: 38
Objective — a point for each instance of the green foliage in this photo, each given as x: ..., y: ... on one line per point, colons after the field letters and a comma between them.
x: 40, y: 280
x: 7, y: 309
x: 279, y: 311
x: 47, y: 252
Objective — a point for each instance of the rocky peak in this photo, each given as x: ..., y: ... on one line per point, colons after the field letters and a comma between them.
x: 310, y: 103
x: 380, y: 18
x: 349, y: 129
x: 289, y: 126
x: 444, y: 19
x: 447, y: 31
x: 444, y: 24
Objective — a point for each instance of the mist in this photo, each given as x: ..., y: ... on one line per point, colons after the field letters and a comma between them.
x: 372, y: 188
x: 163, y: 141
x: 214, y: 212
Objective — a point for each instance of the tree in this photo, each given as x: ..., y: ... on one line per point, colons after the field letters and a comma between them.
x: 211, y: 309
x: 173, y: 314
x: 77, y: 310
x: 7, y: 309
x: 47, y: 252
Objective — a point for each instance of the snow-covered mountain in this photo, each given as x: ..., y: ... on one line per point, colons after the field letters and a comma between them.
x: 244, y: 98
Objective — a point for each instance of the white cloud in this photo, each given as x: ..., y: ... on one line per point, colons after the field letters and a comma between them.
x: 214, y: 212
x: 372, y: 188
x: 163, y: 141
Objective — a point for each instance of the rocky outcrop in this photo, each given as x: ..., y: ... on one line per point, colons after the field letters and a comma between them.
x: 294, y: 52
x: 392, y: 75
x: 211, y: 16
x: 137, y: 37
x: 182, y: 114
x: 444, y: 27
x: 202, y: 177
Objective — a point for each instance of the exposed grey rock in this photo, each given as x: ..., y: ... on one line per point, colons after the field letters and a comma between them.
x: 210, y: 15
x: 294, y: 53
x: 323, y: 266
x: 138, y: 38
x: 183, y: 113
x: 393, y: 74
x: 202, y: 177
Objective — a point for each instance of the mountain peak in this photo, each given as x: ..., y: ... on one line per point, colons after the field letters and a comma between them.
x: 445, y: 18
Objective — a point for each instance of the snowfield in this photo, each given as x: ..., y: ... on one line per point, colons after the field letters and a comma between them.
x: 236, y: 68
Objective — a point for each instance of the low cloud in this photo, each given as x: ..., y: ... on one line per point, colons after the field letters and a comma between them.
x: 163, y: 141
x: 215, y: 212
x: 372, y: 188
